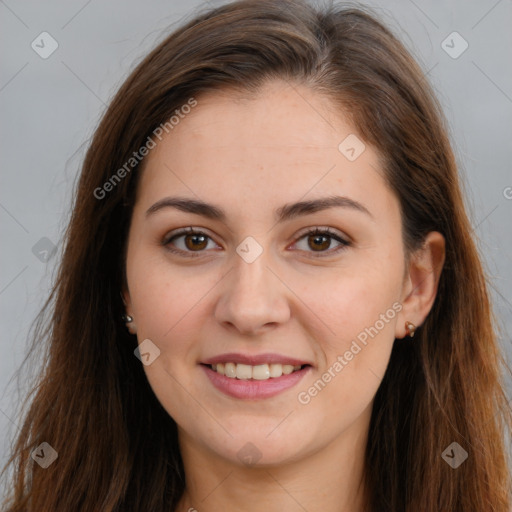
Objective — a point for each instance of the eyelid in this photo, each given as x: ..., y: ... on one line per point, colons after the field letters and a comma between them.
x: 324, y: 229
x: 185, y: 231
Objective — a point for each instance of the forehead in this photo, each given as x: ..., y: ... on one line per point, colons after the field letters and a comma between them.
x: 282, y: 142
x: 280, y: 115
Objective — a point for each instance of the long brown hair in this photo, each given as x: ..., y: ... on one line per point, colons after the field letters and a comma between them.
x: 117, y: 447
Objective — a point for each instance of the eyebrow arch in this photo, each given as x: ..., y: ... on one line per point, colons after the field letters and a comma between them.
x: 284, y: 213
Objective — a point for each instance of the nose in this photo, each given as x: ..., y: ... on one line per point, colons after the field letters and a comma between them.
x: 253, y: 298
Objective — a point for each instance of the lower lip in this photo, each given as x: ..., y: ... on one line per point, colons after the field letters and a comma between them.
x: 254, y: 389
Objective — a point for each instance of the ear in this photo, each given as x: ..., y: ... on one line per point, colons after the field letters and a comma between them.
x: 421, y: 282
x: 125, y: 296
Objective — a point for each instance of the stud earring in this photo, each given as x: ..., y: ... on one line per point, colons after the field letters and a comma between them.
x: 410, y: 329
x: 127, y: 318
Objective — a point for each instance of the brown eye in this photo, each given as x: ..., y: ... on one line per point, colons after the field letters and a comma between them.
x: 320, y: 240
x: 195, y: 241
x: 187, y: 241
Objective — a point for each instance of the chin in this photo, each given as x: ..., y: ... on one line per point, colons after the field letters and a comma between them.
x: 259, y: 449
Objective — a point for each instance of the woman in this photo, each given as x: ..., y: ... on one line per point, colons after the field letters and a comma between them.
x: 270, y: 297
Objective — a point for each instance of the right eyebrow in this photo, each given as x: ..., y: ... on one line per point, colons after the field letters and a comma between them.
x: 190, y: 206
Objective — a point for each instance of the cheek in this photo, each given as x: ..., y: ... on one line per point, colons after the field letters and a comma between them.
x: 354, y: 361
x: 172, y: 310
x: 358, y: 311
x: 352, y: 299
x: 169, y: 306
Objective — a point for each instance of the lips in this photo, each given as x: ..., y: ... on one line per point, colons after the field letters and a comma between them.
x: 254, y: 376
x: 254, y: 389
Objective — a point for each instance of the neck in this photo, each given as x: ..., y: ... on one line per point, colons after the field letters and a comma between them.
x: 330, y: 480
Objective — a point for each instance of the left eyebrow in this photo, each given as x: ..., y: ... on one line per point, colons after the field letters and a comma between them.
x: 293, y: 210
x: 284, y: 213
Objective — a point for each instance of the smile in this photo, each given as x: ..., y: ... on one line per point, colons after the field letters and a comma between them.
x: 258, y: 372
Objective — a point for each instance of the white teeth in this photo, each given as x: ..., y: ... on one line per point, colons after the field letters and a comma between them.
x: 230, y: 370
x: 276, y: 370
x: 258, y: 372
x: 261, y: 372
x: 287, y: 369
x: 243, y: 371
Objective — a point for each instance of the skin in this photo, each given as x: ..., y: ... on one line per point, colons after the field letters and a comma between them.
x: 250, y: 157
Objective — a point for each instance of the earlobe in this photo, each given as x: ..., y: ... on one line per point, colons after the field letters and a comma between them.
x: 130, y: 323
x: 410, y: 329
x: 132, y: 328
x: 421, y: 283
x: 127, y: 317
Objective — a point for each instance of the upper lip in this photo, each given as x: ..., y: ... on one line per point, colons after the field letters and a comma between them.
x: 255, y: 359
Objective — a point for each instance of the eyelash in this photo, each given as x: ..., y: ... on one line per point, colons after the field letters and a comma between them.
x: 316, y: 231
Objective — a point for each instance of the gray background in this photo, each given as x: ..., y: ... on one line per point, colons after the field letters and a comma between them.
x: 50, y: 107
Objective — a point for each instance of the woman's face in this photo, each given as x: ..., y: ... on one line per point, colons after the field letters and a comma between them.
x: 252, y: 290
